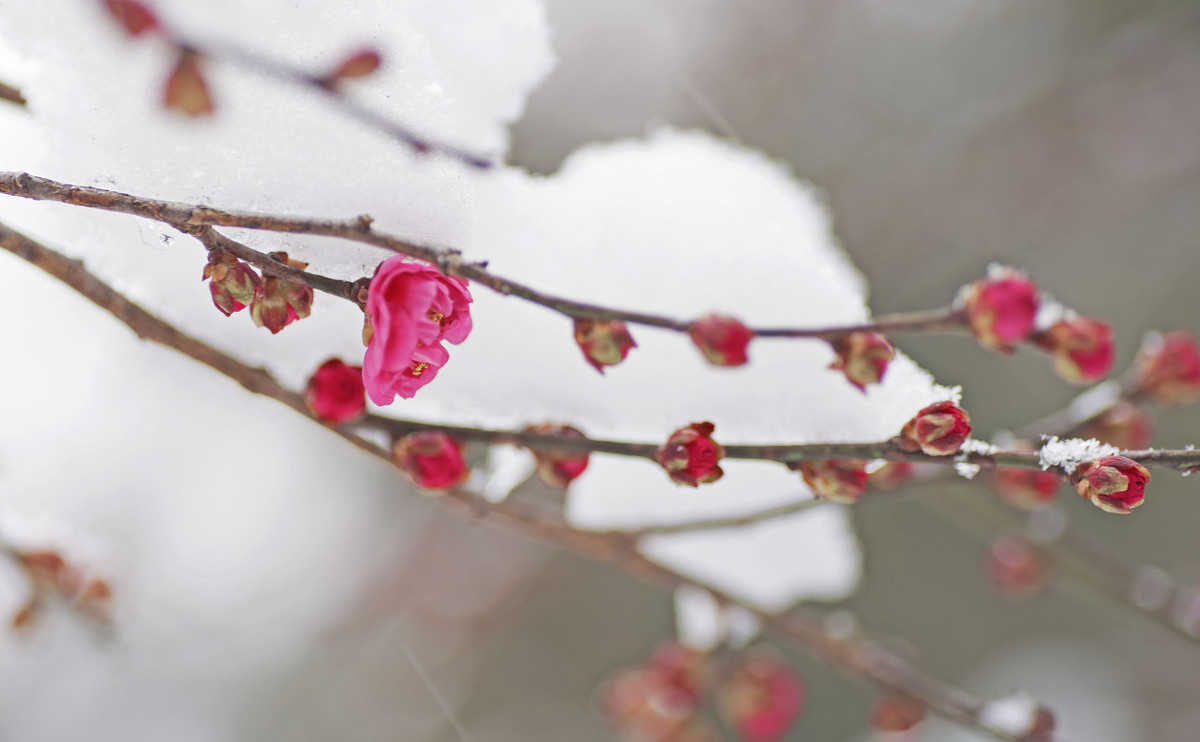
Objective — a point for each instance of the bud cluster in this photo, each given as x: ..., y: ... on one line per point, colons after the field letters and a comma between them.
x: 691, y: 456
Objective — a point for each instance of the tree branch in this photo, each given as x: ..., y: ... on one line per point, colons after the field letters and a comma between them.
x: 188, y: 217
x: 856, y: 656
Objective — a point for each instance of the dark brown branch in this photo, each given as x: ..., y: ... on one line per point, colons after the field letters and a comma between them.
x: 213, y: 240
x: 12, y: 95
x: 187, y: 218
x: 855, y: 656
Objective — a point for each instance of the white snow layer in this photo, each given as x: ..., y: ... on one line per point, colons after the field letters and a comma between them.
x: 680, y: 223
x: 1069, y: 453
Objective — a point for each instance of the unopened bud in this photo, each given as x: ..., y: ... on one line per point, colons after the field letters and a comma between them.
x: 690, y: 455
x: 604, y: 343
x: 938, y: 430
x: 723, y: 340
x: 433, y: 460
x: 762, y: 698
x: 1001, y: 308
x: 1015, y: 568
x: 1081, y: 349
x: 1167, y: 368
x: 835, y: 480
x: 863, y: 357
x: 557, y: 469
x: 233, y: 284
x: 335, y: 393
x: 1114, y: 484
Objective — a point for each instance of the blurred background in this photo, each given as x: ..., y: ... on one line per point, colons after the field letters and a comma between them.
x: 1062, y: 136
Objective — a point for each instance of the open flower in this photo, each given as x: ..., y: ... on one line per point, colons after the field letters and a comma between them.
x: 690, y: 455
x: 939, y: 430
x: 1114, y: 484
x: 411, y: 309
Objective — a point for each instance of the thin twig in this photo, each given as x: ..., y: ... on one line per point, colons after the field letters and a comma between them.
x: 855, y: 656
x: 187, y: 217
x: 12, y: 95
x: 347, y: 106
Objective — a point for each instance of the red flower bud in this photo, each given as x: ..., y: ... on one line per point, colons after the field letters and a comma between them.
x: 281, y: 302
x: 359, y: 64
x: 723, y: 340
x: 1027, y: 489
x: 603, y: 343
x: 1114, y: 484
x: 938, y: 430
x: 690, y: 455
x: 134, y: 17
x: 1015, y: 568
x: 186, y: 91
x: 890, y: 475
x: 1167, y: 368
x: 232, y: 283
x: 863, y: 357
x: 892, y: 713
x: 434, y: 460
x: 335, y: 393
x: 1001, y: 308
x: 1081, y: 348
x: 1124, y: 425
x: 761, y: 699
x: 835, y: 480
x: 658, y: 701
x: 557, y: 469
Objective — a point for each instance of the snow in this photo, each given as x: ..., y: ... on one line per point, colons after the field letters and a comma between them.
x: 1013, y: 714
x: 965, y: 470
x: 974, y: 445
x: 1071, y: 452
x: 699, y: 622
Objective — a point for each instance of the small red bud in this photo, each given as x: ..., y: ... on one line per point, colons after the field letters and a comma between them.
x: 890, y: 475
x: 658, y: 701
x: 761, y: 699
x: 938, y: 430
x: 723, y: 340
x: 835, y: 480
x: 863, y: 357
x: 1027, y: 489
x: 186, y: 91
x: 690, y: 455
x: 1001, y: 308
x: 1124, y: 425
x: 1081, y: 348
x: 359, y: 64
x: 1167, y: 368
x: 335, y: 393
x: 892, y: 713
x: 1114, y: 484
x: 557, y: 469
x: 232, y: 283
x: 134, y: 17
x: 604, y: 343
x: 281, y: 302
x: 433, y: 460
x: 1016, y: 569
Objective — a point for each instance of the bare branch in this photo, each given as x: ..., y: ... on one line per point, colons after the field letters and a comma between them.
x: 188, y: 217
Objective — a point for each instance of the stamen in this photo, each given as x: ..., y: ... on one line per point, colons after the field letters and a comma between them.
x: 417, y: 367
